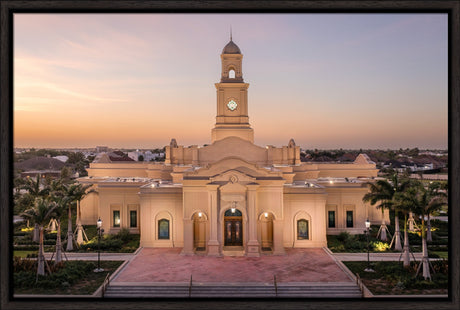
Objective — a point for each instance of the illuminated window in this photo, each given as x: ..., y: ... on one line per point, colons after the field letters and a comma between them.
x: 349, y: 218
x: 231, y: 74
x: 163, y: 229
x: 116, y: 218
x: 331, y: 219
x: 302, y: 229
x: 132, y: 218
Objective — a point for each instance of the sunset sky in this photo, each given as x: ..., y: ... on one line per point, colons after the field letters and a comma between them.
x: 137, y: 80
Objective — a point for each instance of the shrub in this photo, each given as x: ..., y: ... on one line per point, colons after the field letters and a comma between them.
x: 380, y: 246
x: 343, y: 236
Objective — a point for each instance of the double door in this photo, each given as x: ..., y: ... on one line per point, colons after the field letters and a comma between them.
x: 233, y: 232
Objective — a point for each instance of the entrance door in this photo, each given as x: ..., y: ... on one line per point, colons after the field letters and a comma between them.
x: 233, y: 232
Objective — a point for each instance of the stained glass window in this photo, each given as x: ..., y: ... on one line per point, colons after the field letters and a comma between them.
x: 232, y: 105
x: 163, y: 229
x: 302, y: 229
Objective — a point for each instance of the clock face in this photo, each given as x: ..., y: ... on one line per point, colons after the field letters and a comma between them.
x: 232, y: 105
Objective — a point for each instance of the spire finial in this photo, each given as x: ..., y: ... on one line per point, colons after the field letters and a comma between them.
x: 230, y: 32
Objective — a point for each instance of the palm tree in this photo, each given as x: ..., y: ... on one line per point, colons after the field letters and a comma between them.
x: 79, y: 194
x: 75, y: 192
x: 61, y: 205
x: 380, y: 191
x: 35, y: 189
x: 58, y: 196
x: 40, y: 214
x: 401, y: 203
x: 422, y: 202
x: 435, y: 188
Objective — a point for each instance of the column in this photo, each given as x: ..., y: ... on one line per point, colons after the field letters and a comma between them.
x: 253, y: 248
x: 188, y: 237
x: 278, y: 248
x: 213, y: 243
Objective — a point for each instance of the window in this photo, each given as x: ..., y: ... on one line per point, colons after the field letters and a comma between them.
x: 302, y: 229
x: 233, y: 212
x: 349, y: 218
x: 116, y: 218
x: 163, y: 229
x: 331, y: 219
x: 231, y: 74
x: 132, y: 218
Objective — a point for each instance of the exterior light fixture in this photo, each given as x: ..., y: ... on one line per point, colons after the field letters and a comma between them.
x: 200, y: 214
x: 233, y: 210
x: 99, y: 235
x: 368, y: 225
x: 331, y: 181
x: 266, y: 214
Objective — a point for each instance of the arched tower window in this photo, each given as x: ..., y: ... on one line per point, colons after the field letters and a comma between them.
x: 231, y: 74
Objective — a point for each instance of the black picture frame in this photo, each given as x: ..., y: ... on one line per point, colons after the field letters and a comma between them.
x: 8, y: 8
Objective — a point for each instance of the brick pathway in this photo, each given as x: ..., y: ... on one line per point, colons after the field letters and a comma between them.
x: 167, y: 265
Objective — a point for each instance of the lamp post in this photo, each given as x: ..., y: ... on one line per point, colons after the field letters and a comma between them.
x: 99, y: 235
x: 368, y: 268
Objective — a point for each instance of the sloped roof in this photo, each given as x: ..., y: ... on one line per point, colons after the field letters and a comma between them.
x: 40, y: 163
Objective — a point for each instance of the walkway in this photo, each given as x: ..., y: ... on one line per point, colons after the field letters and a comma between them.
x: 167, y: 265
x: 164, y: 272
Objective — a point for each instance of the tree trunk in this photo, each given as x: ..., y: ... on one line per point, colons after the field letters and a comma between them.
x: 69, y: 231
x: 41, y: 255
x: 425, y: 259
x: 79, y: 236
x: 398, y: 246
x: 383, y: 231
x: 428, y: 229
x: 58, y: 242
x: 36, y: 235
x: 406, y: 257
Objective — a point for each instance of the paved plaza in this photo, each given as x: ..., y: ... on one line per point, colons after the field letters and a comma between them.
x: 168, y: 265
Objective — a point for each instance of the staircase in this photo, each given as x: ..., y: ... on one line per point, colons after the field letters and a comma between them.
x: 234, y: 290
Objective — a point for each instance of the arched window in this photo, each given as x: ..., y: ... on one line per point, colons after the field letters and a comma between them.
x: 163, y: 229
x: 233, y: 212
x: 231, y: 74
x: 302, y: 229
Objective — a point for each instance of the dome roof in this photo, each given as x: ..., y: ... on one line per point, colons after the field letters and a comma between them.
x: 231, y: 48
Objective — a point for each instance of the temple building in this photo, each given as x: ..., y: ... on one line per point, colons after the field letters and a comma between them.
x: 231, y: 197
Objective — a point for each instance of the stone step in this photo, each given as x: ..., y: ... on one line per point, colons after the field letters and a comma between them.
x: 346, y: 290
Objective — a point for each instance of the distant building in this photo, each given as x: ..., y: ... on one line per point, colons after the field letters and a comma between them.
x: 100, y: 149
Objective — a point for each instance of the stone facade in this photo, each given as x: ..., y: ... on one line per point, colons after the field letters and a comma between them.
x: 231, y: 197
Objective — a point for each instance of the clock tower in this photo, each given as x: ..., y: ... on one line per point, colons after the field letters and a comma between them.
x: 232, y: 98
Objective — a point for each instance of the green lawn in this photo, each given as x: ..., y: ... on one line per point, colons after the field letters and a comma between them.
x: 23, y: 254
x: 441, y: 254
x: 75, y: 278
x: 391, y: 278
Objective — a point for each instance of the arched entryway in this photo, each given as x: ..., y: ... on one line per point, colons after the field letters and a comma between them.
x: 266, y: 231
x: 199, y: 231
x: 233, y: 227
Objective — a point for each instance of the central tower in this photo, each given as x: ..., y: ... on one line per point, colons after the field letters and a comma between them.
x: 232, y: 118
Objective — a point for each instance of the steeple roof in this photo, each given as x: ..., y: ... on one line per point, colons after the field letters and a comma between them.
x: 231, y: 48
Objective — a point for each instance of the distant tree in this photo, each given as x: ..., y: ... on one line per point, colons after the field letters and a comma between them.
x: 140, y: 158
x: 66, y: 173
